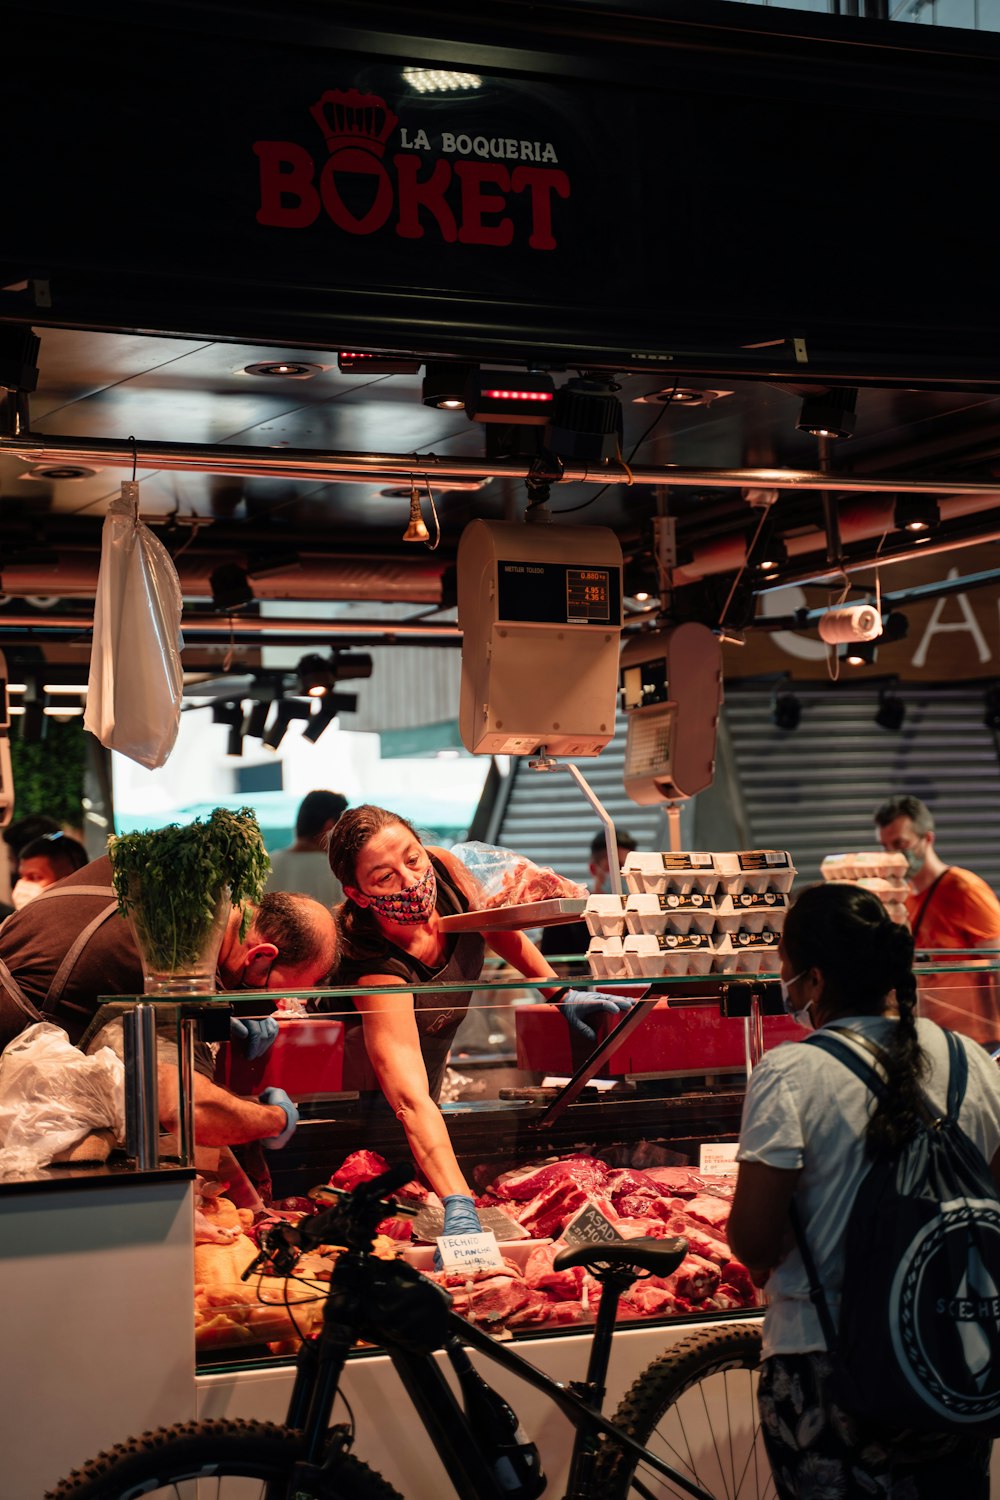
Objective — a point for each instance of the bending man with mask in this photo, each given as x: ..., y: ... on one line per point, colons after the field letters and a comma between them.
x: 948, y: 907
x: 69, y: 946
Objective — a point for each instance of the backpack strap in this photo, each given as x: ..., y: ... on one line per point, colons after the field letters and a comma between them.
x: 817, y: 1296
x: 827, y: 1040
x: 958, y: 1075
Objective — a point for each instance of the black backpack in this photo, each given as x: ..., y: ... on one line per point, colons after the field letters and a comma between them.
x: 918, y: 1345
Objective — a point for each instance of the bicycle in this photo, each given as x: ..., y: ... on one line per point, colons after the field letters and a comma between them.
x: 390, y: 1304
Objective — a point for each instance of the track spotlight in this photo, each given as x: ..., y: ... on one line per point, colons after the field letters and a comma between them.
x: 640, y: 580
x: 231, y: 587
x: 772, y: 555
x: 991, y: 708
x: 444, y: 385
x: 587, y: 419
x: 516, y: 399
x: 786, y: 711
x: 830, y: 413
x: 256, y: 721
x: 891, y: 710
x: 285, y: 711
x: 330, y: 706
x: 895, y: 627
x: 915, y: 513
x: 230, y: 714
x: 318, y: 675
x: 860, y: 653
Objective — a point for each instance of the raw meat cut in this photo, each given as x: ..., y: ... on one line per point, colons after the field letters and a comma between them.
x: 528, y: 1182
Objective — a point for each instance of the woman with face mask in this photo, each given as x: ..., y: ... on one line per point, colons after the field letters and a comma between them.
x: 397, y: 891
x: 807, y: 1136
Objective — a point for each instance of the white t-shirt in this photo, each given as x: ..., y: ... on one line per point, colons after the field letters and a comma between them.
x: 805, y: 1109
x: 306, y: 871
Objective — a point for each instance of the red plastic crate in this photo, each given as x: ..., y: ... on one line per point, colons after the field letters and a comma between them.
x: 306, y: 1057
x: 682, y: 1039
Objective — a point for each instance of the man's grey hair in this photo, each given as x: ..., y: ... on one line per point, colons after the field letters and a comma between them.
x: 905, y: 807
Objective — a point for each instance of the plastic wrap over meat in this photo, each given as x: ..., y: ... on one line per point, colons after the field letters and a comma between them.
x: 508, y: 879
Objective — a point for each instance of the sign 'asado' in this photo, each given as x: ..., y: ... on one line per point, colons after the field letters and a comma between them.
x: 454, y: 184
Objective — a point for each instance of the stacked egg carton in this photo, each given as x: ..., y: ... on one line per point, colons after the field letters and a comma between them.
x: 881, y: 873
x: 691, y: 913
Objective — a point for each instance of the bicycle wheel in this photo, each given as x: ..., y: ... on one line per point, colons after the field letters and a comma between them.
x: 696, y: 1409
x: 213, y: 1460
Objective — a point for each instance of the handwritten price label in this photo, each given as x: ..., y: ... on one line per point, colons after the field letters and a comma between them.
x: 470, y: 1252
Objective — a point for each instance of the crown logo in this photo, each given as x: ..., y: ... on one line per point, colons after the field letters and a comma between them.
x: 350, y: 118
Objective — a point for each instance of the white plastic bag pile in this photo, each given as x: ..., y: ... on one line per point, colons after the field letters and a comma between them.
x: 52, y: 1096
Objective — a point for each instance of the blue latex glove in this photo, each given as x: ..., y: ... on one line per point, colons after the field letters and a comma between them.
x: 460, y: 1217
x: 583, y: 1009
x: 278, y: 1096
x: 255, y: 1035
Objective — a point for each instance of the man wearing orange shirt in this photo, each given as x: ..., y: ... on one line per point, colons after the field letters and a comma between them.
x: 948, y: 907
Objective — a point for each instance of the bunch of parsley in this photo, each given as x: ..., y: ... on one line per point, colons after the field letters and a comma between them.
x: 171, y: 880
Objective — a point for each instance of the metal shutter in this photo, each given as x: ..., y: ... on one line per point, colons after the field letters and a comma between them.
x: 812, y: 790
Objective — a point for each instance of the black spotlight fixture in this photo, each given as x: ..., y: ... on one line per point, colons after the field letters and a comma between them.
x: 256, y: 721
x: 786, y: 711
x: 329, y: 707
x: 771, y: 555
x: 444, y: 385
x: 230, y: 714
x: 895, y: 627
x: 318, y: 675
x: 587, y: 419
x: 891, y: 710
x: 829, y: 413
x: 860, y: 653
x: 230, y: 588
x: 915, y: 513
x: 991, y: 707
x: 509, y: 397
x: 285, y: 710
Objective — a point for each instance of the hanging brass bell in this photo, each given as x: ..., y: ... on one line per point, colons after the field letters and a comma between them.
x: 416, y: 531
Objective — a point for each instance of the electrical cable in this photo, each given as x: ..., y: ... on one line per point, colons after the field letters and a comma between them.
x: 568, y: 509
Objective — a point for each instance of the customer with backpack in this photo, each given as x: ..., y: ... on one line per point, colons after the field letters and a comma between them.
x: 815, y: 1129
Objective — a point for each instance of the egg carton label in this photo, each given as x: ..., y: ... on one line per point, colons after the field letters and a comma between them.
x: 765, y: 859
x: 761, y: 898
x: 674, y: 940
x: 692, y: 901
x: 687, y: 861
x: 765, y: 939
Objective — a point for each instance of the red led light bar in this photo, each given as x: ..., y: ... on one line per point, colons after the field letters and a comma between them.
x: 496, y: 396
x: 348, y: 362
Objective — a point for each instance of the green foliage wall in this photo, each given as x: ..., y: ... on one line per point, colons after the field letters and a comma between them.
x: 48, y: 776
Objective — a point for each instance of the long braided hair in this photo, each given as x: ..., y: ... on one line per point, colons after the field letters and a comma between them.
x: 866, y: 960
x: 360, y: 934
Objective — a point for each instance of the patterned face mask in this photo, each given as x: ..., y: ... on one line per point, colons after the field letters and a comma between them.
x: 411, y: 906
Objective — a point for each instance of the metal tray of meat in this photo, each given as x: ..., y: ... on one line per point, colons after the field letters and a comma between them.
x: 523, y: 914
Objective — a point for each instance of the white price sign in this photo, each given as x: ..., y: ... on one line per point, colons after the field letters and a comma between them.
x: 718, y: 1159
x: 470, y: 1252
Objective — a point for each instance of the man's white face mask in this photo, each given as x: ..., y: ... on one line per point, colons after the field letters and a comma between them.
x: 25, y: 891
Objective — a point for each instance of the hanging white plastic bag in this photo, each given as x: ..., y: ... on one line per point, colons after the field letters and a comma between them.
x: 52, y: 1096
x: 136, y: 677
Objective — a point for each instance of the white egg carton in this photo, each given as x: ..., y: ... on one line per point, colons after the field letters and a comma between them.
x: 875, y: 864
x: 756, y: 871
x: 669, y: 872
x: 747, y: 953
x: 605, y: 915
x: 648, y: 954
x: 672, y: 912
x: 606, y: 959
x: 885, y: 890
x: 754, y: 919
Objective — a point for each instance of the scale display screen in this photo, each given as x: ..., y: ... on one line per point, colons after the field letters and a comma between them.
x: 645, y: 683
x: 556, y: 594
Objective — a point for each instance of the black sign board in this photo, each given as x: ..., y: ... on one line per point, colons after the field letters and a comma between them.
x: 554, y: 594
x: 590, y: 1227
x: 800, y: 196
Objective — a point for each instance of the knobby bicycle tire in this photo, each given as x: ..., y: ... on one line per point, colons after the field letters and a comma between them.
x: 213, y: 1450
x: 695, y: 1407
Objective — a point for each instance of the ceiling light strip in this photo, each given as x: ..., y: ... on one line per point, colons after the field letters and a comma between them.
x: 361, y: 468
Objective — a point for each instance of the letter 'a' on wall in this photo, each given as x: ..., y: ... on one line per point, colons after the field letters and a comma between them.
x: 540, y: 608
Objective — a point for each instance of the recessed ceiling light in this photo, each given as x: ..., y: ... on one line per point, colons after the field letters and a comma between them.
x: 680, y: 395
x: 284, y: 369
x: 58, y: 471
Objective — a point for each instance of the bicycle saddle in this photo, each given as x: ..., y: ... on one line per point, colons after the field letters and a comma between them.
x: 659, y: 1256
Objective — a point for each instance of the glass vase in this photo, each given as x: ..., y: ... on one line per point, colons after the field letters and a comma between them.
x: 178, y: 958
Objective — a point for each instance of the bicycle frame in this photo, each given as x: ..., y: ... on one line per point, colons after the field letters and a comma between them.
x: 321, y: 1363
